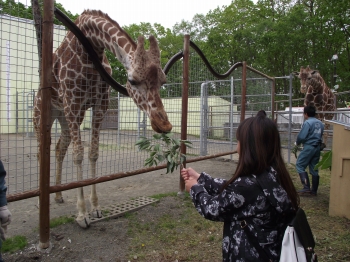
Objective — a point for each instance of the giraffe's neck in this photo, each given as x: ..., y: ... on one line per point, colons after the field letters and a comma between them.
x: 318, y: 85
x: 104, y: 32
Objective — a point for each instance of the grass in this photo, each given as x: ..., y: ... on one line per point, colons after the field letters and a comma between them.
x: 112, y: 147
x: 172, y: 229
x: 177, y: 233
x: 331, y: 234
x: 14, y: 243
x: 19, y: 242
x: 57, y: 221
x: 160, y: 196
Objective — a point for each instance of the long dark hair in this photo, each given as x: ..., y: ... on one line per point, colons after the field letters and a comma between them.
x: 260, y: 149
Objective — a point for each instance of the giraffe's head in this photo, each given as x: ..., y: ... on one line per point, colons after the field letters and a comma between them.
x: 145, y: 78
x: 305, y: 75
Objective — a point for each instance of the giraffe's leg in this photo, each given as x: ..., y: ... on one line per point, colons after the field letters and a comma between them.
x: 78, y: 154
x: 97, y: 117
x: 36, y: 123
x: 61, y: 150
x: 95, y: 207
x: 74, y: 118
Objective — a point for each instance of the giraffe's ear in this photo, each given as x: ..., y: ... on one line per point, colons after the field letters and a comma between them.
x: 313, y: 72
x: 122, y: 56
x: 154, y: 47
x: 295, y: 73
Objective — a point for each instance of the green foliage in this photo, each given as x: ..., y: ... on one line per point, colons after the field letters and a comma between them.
x: 17, y: 9
x: 163, y: 147
x: 13, y: 244
x: 57, y: 221
x: 295, y: 150
x: 258, y: 32
x: 160, y: 196
x: 326, y: 161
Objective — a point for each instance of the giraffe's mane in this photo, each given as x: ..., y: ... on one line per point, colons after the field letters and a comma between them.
x: 97, y: 13
x: 101, y: 14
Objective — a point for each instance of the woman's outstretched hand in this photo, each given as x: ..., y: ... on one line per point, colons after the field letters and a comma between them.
x: 190, y: 176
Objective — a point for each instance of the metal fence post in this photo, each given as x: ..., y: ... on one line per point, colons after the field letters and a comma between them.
x: 290, y: 116
x: 231, y: 114
x: 244, y: 90
x: 203, y: 137
x: 118, y: 119
x: 185, y: 80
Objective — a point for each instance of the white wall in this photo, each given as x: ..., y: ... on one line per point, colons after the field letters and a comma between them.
x: 19, y: 71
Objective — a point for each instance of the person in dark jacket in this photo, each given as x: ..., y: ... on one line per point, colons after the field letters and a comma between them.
x: 5, y: 214
x: 257, y: 202
x: 310, y: 136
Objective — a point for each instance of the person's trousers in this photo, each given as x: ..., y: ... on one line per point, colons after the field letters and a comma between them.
x: 309, y: 156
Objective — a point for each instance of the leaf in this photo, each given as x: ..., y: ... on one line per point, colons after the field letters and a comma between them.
x: 182, y: 159
x: 325, y: 162
x: 187, y: 143
x: 153, y: 154
x: 168, y: 167
x: 157, y: 136
x: 172, y: 166
x: 156, y: 147
x: 149, y: 162
x: 175, y: 147
x: 144, y: 146
x: 171, y: 151
x: 139, y: 142
x: 169, y: 134
x: 177, y: 142
x: 160, y: 158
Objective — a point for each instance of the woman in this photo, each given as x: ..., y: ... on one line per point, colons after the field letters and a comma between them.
x: 257, y: 202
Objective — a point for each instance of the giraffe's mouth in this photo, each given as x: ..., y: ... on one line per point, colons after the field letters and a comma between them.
x: 160, y: 122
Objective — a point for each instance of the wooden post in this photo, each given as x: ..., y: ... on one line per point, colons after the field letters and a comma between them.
x: 45, y: 125
x: 244, y: 90
x: 185, y: 80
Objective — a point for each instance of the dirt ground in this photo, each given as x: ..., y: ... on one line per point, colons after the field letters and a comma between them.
x: 105, y: 240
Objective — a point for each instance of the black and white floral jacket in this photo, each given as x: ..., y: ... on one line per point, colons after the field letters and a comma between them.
x: 259, y: 200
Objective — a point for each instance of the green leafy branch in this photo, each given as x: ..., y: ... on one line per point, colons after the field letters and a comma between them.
x: 295, y: 150
x: 325, y: 162
x: 163, y: 147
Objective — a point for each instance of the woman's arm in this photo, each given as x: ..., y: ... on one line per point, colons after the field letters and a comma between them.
x: 219, y: 207
x: 212, y: 185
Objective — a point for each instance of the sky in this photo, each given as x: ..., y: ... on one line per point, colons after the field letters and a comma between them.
x: 165, y: 12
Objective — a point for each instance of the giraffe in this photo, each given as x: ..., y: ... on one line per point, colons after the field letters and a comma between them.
x: 77, y: 86
x: 318, y: 94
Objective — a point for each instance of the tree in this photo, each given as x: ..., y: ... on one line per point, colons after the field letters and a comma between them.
x: 276, y: 37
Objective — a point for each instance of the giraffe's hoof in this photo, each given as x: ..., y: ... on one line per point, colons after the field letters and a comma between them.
x: 59, y: 200
x: 83, y: 223
x: 97, y: 213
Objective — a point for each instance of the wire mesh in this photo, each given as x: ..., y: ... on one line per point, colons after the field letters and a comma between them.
x: 19, y: 83
x: 213, y: 115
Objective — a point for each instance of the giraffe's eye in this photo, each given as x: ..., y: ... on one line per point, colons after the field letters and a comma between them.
x: 133, y: 82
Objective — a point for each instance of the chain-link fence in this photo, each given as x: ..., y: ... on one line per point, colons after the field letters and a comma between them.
x: 214, y: 112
